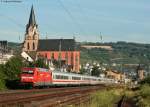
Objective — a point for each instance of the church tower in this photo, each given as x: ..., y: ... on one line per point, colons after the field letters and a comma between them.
x: 32, y: 35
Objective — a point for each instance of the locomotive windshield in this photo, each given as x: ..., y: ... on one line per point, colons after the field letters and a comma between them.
x: 27, y: 72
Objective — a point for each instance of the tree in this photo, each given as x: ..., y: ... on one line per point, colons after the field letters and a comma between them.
x: 12, y: 68
x: 40, y: 63
x: 2, y: 77
x: 95, y: 71
x: 83, y: 71
x: 146, y: 80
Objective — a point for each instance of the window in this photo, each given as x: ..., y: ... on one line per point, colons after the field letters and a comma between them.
x: 28, y: 46
x: 33, y: 46
x: 86, y: 78
x: 60, y: 77
x: 52, y: 56
x: 66, y: 57
x: 27, y: 72
x: 72, y: 57
x: 42, y: 70
x: 76, y: 78
x: 45, y: 55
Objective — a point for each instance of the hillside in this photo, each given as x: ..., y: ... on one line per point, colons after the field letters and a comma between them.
x: 122, y: 52
x: 16, y: 47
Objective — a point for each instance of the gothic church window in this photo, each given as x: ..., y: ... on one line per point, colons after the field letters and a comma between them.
x: 33, y: 46
x: 28, y: 46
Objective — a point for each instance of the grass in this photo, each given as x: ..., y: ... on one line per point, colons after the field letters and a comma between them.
x: 143, y: 99
x: 103, y: 98
x: 109, y: 98
x: 2, y: 85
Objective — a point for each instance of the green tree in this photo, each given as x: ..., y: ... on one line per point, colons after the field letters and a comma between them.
x: 2, y: 77
x: 12, y: 68
x: 146, y: 80
x: 95, y: 71
x: 83, y: 71
x: 40, y: 63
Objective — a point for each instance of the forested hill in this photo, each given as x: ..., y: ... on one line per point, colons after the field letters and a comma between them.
x: 16, y: 47
x: 130, y: 53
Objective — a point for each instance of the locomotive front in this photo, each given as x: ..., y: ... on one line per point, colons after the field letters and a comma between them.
x: 28, y: 76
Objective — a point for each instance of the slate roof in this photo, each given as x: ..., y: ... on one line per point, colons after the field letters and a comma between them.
x: 56, y: 45
x: 32, y: 20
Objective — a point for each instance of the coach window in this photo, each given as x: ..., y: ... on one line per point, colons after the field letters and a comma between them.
x: 58, y: 77
x: 65, y: 77
x: 76, y: 78
x: 86, y: 78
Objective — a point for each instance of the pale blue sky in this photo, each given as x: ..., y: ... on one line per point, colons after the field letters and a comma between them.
x: 118, y: 20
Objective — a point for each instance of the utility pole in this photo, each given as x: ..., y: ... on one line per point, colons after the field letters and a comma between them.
x: 46, y: 36
x: 101, y: 39
x: 60, y: 53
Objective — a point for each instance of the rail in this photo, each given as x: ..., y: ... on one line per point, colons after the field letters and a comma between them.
x: 51, y: 98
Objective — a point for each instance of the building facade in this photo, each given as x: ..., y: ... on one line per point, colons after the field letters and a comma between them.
x: 140, y: 72
x: 3, y: 47
x: 60, y: 50
x: 115, y: 75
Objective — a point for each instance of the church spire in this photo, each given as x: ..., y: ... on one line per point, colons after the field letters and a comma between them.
x: 32, y: 21
x: 32, y: 34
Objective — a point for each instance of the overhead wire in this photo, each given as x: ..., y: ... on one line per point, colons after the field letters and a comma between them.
x: 71, y: 16
x: 86, y: 16
x: 12, y: 20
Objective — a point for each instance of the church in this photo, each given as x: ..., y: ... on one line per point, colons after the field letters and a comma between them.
x: 63, y: 50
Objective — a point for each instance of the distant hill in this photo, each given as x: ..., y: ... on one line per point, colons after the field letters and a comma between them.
x: 16, y: 47
x: 122, y: 52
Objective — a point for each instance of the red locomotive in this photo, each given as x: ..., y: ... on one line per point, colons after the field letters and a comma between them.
x: 36, y: 76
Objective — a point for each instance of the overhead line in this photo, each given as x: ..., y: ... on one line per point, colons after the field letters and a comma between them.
x: 12, y: 20
x: 71, y: 16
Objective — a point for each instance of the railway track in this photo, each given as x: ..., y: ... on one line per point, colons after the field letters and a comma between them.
x: 48, y: 97
x: 125, y: 102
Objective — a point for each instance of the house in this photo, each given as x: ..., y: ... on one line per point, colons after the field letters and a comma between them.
x: 5, y: 53
x: 115, y: 75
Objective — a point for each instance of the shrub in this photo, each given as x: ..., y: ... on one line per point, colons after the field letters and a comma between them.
x: 105, y: 98
x: 12, y: 68
x: 146, y: 80
x: 144, y: 98
x: 145, y: 90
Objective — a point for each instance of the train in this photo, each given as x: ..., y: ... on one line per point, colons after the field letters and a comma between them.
x: 40, y: 77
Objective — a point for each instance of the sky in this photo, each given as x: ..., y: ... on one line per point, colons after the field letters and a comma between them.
x: 86, y: 20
